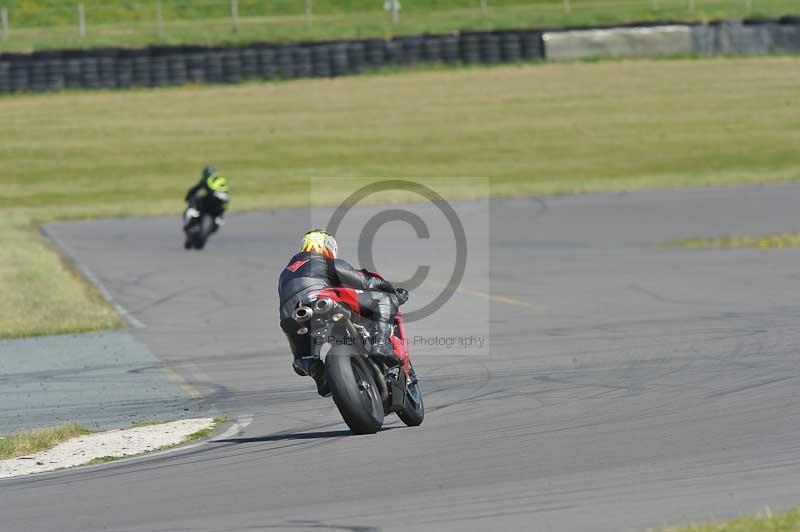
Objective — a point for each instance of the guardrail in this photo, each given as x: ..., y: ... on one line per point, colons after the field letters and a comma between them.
x: 118, y: 68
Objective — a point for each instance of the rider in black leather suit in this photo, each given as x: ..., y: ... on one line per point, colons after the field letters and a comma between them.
x: 316, y: 268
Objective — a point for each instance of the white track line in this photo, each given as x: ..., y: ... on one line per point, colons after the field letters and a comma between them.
x: 237, y: 428
x: 92, y: 278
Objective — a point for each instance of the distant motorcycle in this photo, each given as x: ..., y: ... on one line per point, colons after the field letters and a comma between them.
x: 198, y: 223
x: 197, y: 226
x: 363, y: 387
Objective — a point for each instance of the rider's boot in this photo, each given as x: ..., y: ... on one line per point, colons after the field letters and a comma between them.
x: 382, y: 344
x: 314, y: 368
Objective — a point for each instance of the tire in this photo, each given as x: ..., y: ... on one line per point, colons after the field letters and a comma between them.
x: 203, y: 231
x: 198, y: 231
x: 413, y: 411
x: 354, y: 390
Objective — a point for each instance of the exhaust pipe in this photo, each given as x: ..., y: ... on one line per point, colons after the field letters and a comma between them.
x: 302, y: 314
x: 323, y: 306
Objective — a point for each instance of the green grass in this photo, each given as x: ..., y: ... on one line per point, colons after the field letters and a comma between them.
x: 104, y: 459
x: 545, y: 129
x: 763, y: 522
x: 206, y: 433
x: 24, y: 443
x: 770, y: 241
x: 149, y: 423
x: 53, y: 23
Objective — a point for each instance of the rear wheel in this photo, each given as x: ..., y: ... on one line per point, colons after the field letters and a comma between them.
x: 354, y: 390
x: 413, y: 411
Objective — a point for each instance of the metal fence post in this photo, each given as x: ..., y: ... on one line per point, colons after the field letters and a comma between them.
x: 81, y: 20
x: 235, y: 15
x: 159, y: 20
x: 309, y: 15
x: 395, y: 12
x: 4, y: 20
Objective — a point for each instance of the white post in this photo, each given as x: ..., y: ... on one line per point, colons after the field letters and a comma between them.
x: 654, y: 5
x: 235, y: 15
x: 483, y: 8
x: 4, y: 20
x: 566, y: 7
x: 309, y: 15
x: 395, y: 12
x: 691, y: 5
x: 81, y: 20
x: 749, y: 5
x: 159, y: 20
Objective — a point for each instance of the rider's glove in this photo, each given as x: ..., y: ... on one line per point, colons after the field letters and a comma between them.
x: 402, y: 295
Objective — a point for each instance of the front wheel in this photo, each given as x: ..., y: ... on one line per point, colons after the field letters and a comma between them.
x: 413, y: 411
x: 354, y: 390
x: 202, y: 231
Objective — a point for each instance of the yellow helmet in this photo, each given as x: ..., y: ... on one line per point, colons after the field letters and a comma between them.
x: 217, y: 183
x: 319, y: 241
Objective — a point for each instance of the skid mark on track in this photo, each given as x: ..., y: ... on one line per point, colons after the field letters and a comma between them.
x: 187, y: 388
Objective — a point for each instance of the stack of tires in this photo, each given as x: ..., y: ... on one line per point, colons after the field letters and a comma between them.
x: 158, y: 66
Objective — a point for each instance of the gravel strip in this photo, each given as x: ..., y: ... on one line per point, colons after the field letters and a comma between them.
x: 118, y: 443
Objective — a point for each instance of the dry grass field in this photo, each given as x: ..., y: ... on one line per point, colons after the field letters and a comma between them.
x: 544, y: 129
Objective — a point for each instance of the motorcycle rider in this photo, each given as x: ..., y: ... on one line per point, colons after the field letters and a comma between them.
x: 317, y: 267
x: 210, y: 195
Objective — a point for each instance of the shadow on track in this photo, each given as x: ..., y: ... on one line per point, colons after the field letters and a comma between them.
x: 284, y: 437
x: 295, y: 436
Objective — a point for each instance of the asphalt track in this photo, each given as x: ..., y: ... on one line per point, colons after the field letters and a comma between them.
x: 622, y: 386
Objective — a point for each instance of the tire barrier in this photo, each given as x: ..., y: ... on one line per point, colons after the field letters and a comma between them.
x: 214, y: 71
x: 432, y: 51
x: 286, y: 62
x: 112, y: 68
x: 471, y: 49
x: 250, y: 67
x: 510, y: 48
x: 411, y: 49
x: 5, y: 76
x: 302, y: 61
x: 490, y: 49
x: 231, y: 67
x: 738, y: 37
x: 321, y: 62
x: 268, y: 60
x: 376, y: 53
x: 340, y: 61
x: 357, y: 57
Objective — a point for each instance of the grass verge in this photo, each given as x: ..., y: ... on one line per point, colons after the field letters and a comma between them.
x: 53, y: 23
x: 206, y: 433
x: 765, y: 521
x: 770, y: 241
x: 24, y: 443
x: 529, y: 129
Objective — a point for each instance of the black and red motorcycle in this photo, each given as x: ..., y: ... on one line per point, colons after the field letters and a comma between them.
x: 363, y: 387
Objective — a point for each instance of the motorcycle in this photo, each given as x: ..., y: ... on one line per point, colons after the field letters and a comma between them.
x: 199, y: 224
x: 363, y: 388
